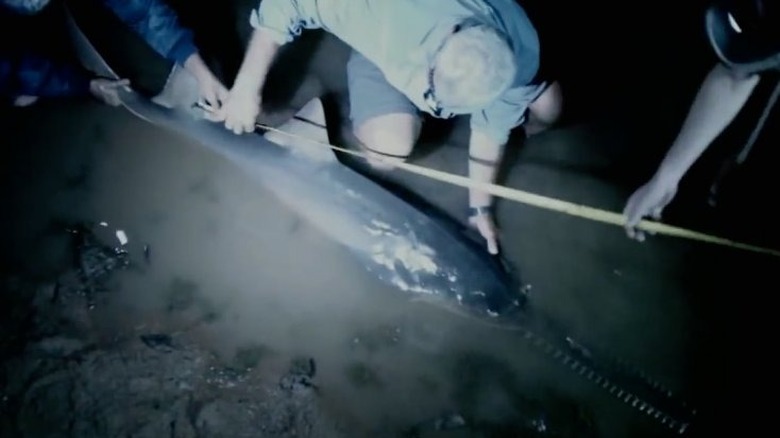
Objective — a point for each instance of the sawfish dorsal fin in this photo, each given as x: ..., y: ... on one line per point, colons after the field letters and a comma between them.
x: 306, y: 133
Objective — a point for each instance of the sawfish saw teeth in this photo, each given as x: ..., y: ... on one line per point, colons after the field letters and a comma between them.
x: 624, y: 396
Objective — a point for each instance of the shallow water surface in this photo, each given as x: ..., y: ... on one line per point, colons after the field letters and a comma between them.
x: 253, y: 281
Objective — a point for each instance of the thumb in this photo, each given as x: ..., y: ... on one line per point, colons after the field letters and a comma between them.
x: 115, y: 84
x: 492, y: 245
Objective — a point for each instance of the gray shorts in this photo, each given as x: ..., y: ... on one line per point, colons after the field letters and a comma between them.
x: 370, y: 95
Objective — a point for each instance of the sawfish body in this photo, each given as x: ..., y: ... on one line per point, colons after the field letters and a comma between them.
x: 394, y: 239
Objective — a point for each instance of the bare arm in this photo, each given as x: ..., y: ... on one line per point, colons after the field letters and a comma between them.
x: 276, y: 22
x: 260, y: 53
x: 485, y: 156
x: 720, y: 98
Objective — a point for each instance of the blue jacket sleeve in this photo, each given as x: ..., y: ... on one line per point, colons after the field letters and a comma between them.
x: 24, y: 7
x: 33, y: 75
x: 158, y: 25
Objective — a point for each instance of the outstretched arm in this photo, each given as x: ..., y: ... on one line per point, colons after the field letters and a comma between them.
x: 485, y: 155
x: 718, y: 101
x: 490, y: 131
x: 720, y: 98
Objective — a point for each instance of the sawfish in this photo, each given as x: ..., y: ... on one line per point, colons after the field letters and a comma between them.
x: 396, y: 235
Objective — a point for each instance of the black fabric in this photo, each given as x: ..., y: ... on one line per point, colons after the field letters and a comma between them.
x: 542, y: 15
x: 745, y: 34
x: 124, y: 50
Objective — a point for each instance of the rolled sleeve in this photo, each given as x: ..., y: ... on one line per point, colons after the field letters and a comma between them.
x: 499, y: 119
x: 284, y: 20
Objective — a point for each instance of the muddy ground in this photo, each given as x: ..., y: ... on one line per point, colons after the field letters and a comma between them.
x: 63, y: 376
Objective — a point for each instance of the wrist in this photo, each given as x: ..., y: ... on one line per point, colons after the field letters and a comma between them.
x: 484, y: 210
x: 197, y: 67
x: 257, y: 61
x: 668, y: 175
x: 247, y: 85
x: 478, y: 199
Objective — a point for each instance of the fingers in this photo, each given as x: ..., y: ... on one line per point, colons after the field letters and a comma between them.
x: 121, y: 83
x: 238, y: 127
x: 489, y: 232
x: 214, y: 93
x: 107, y: 85
x: 486, y: 227
x: 492, y: 244
x: 112, y: 99
x: 222, y: 106
x: 222, y: 93
x: 217, y: 115
x: 234, y: 125
x: 633, y: 217
x: 232, y: 121
x: 107, y: 90
x: 632, y: 227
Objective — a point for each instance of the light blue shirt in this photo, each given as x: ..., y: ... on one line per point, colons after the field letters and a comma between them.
x: 402, y: 36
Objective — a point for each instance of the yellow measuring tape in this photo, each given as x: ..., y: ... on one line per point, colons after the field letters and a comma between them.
x: 544, y: 202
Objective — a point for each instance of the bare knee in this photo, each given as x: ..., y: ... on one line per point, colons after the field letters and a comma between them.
x: 388, y: 139
x: 546, y: 110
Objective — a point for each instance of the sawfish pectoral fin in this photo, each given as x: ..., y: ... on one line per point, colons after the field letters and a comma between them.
x: 305, y: 134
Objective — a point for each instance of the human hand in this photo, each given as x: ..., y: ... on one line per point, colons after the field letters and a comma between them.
x: 211, y: 91
x: 238, y: 111
x: 107, y: 90
x: 23, y: 101
x: 648, y: 200
x: 482, y: 220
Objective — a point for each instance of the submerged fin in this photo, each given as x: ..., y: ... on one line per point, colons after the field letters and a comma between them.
x: 308, y: 133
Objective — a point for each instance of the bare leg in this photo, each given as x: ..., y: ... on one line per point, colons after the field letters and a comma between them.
x: 390, y: 137
x: 545, y: 110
